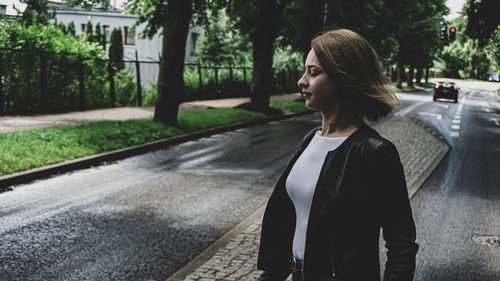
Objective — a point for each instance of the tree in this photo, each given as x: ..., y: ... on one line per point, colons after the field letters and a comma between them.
x: 89, y: 31
x: 98, y: 34
x: 116, y: 49
x: 36, y: 9
x: 262, y: 20
x: 214, y: 47
x: 304, y: 19
x: 494, y: 47
x: 71, y: 28
x: 415, y: 26
x: 482, y: 19
x: 172, y: 17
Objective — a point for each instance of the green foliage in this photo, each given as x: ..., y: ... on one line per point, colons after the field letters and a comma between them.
x: 482, y: 19
x: 455, y: 57
x: 125, y: 87
x: 21, y: 81
x: 98, y: 36
x: 89, y: 32
x: 62, y: 26
x: 71, y: 28
x: 36, y: 12
x: 116, y: 48
x: 494, y: 48
x: 149, y: 95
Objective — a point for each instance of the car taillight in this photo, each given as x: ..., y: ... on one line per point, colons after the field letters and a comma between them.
x: 455, y: 86
x: 447, y: 82
x: 437, y: 86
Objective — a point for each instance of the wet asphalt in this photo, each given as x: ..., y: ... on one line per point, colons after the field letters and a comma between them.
x: 457, y: 210
x: 144, y: 217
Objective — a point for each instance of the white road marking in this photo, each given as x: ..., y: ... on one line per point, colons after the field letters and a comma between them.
x: 455, y: 121
x: 438, y: 116
x: 454, y: 134
x: 408, y: 108
x: 496, y: 120
x: 455, y: 127
x: 443, y: 105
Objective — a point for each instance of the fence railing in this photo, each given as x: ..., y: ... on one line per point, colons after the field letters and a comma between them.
x: 41, y: 81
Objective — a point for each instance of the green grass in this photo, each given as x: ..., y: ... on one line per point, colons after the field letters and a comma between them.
x: 407, y: 89
x: 29, y: 149
x: 427, y: 85
x: 289, y: 106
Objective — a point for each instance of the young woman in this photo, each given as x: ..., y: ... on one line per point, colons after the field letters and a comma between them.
x: 345, y: 182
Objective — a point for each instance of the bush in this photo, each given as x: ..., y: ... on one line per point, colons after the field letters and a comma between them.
x: 21, y: 67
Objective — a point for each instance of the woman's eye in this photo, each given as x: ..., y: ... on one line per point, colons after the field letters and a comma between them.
x: 314, y: 73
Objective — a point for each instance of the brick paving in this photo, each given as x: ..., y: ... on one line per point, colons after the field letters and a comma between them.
x: 19, y: 123
x: 419, y: 150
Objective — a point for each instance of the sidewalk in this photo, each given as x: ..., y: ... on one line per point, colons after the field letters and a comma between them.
x: 234, y: 256
x: 19, y: 123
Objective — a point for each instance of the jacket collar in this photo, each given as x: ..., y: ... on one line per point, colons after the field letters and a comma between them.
x: 355, y: 136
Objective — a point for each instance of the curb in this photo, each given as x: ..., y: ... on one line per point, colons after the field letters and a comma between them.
x: 87, y: 161
x: 206, y: 254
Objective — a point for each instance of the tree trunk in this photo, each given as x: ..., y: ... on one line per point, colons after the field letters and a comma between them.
x: 419, y: 75
x: 263, y: 49
x: 314, y: 10
x: 170, y: 78
x: 427, y: 74
x: 409, y: 82
x: 401, y: 73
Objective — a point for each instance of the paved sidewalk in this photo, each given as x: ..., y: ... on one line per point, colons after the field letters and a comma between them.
x: 19, y: 123
x: 234, y: 256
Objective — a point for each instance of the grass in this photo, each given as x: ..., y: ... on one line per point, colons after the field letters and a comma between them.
x: 29, y: 149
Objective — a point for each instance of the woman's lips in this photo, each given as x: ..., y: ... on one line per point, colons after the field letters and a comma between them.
x: 306, y: 95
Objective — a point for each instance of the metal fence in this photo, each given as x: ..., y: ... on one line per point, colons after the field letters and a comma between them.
x: 40, y: 81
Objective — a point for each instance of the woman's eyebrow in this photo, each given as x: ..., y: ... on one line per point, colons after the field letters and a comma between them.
x: 312, y: 65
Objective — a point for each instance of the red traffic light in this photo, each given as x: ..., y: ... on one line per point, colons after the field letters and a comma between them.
x: 452, y: 29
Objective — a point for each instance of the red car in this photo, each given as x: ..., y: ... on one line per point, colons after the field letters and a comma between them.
x: 447, y: 90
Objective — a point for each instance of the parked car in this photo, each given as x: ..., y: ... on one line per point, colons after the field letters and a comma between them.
x: 447, y: 90
x: 494, y: 77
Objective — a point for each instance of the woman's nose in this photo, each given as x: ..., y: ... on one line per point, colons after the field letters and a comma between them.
x: 302, y: 83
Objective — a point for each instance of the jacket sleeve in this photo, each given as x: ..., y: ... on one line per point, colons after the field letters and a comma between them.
x: 396, y: 215
x: 268, y: 276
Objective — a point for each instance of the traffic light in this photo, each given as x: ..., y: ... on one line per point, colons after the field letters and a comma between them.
x: 453, y: 32
x: 444, y: 34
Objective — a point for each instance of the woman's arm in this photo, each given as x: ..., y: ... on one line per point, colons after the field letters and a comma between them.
x: 396, y: 215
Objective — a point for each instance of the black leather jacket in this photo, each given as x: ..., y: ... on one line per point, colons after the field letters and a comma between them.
x: 361, y: 188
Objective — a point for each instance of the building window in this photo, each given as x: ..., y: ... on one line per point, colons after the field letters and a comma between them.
x: 3, y: 10
x: 194, y: 41
x: 84, y: 27
x: 129, y: 36
x: 105, y: 29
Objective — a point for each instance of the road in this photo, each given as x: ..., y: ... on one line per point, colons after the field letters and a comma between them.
x: 144, y: 217
x: 457, y: 210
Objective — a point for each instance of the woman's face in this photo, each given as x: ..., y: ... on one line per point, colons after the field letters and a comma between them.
x: 317, y: 87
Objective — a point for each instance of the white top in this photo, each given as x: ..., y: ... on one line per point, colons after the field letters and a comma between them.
x: 301, y: 183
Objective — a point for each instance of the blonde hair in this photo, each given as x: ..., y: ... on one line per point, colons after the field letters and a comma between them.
x: 357, y: 73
